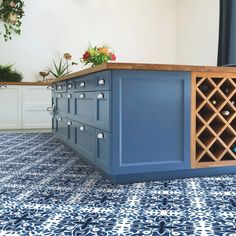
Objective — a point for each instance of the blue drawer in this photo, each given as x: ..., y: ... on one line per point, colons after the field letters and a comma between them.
x: 69, y: 86
x: 103, y: 150
x: 92, y: 108
x: 84, y: 140
x: 60, y: 101
x: 85, y: 83
x: 59, y: 87
x: 103, y: 80
x: 70, y: 105
x: 62, y: 128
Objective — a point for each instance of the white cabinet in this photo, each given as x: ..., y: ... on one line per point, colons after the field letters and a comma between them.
x: 24, y: 107
x: 10, y: 107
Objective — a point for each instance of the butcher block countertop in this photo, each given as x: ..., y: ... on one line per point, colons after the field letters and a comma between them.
x: 150, y: 67
x: 26, y: 83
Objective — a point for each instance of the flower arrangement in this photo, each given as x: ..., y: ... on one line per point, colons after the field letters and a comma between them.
x: 98, y: 55
x: 62, y: 68
x: 11, y: 12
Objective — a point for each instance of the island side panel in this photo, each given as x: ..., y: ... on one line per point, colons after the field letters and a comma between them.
x: 150, y: 121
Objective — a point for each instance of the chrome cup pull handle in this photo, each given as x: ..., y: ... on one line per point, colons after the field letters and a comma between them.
x: 82, y: 95
x: 82, y: 84
x: 100, y: 136
x: 82, y: 128
x: 100, y: 96
x: 101, y: 82
x: 3, y: 86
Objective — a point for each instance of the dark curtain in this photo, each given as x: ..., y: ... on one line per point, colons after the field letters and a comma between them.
x: 227, y: 33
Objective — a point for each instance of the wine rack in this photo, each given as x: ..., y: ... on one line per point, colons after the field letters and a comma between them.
x: 213, y: 119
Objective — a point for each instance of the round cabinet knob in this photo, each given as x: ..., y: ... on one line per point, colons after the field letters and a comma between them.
x: 69, y: 95
x: 82, y: 128
x: 101, y: 82
x: 82, y: 84
x: 59, y: 119
x: 100, y: 95
x: 69, y: 86
x: 59, y: 87
x: 49, y: 87
x: 100, y: 136
x: 82, y: 95
x: 69, y: 123
x: 60, y: 95
x: 53, y: 88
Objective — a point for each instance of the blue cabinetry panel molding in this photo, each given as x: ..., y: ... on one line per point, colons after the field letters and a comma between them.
x: 151, y: 121
x: 132, y: 125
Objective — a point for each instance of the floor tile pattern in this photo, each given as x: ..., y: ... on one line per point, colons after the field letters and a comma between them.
x: 45, y: 189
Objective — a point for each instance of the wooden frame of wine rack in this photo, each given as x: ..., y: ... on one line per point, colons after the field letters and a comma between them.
x: 213, y: 119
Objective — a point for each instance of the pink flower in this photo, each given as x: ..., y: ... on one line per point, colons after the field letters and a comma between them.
x: 112, y: 56
x: 86, y: 56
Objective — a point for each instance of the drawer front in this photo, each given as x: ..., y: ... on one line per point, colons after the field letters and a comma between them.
x: 102, y: 107
x: 60, y: 104
x: 92, y: 108
x: 84, y: 140
x: 85, y: 83
x: 103, y: 80
x: 70, y: 105
x: 62, y: 127
x: 85, y: 107
x: 59, y: 87
x: 103, y: 150
x: 70, y: 86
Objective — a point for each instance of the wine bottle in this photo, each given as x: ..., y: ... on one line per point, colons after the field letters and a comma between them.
x: 204, y: 87
x: 214, y: 102
x: 225, y: 113
x: 233, y: 148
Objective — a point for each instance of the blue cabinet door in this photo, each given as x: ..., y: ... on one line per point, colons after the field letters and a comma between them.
x: 60, y: 101
x: 102, y: 108
x: 85, y: 110
x: 92, y: 108
x: 103, y: 159
x: 84, y: 141
x: 151, y: 121
x: 62, y: 128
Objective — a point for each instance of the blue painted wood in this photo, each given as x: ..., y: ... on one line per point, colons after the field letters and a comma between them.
x: 103, y: 158
x: 61, y: 87
x: 92, y: 108
x: 60, y: 101
x: 103, y: 80
x: 84, y: 140
x: 166, y: 175
x: 62, y: 128
x: 145, y: 118
x: 151, y: 121
x: 85, y: 83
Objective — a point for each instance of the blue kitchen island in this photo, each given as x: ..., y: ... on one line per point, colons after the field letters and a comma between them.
x: 141, y: 122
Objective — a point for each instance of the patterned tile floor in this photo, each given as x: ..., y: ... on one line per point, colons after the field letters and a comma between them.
x: 46, y: 190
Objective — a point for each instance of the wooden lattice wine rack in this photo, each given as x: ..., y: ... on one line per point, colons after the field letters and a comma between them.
x: 213, y: 119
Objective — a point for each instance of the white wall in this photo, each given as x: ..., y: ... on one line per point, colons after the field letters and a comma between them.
x: 197, y: 32
x: 138, y: 31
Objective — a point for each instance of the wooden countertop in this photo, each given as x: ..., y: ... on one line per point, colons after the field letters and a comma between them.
x: 141, y: 66
x: 26, y: 83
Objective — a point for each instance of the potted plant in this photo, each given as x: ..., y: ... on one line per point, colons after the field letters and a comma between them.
x: 11, y: 12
